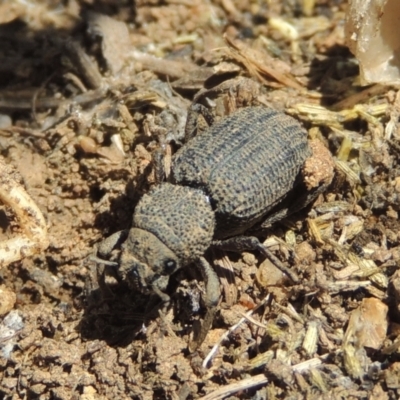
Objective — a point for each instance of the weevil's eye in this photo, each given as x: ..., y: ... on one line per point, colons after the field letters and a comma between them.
x: 133, y: 273
x: 169, y: 267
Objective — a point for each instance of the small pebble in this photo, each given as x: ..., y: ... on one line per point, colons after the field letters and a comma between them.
x: 269, y: 275
x: 7, y: 300
x: 5, y: 121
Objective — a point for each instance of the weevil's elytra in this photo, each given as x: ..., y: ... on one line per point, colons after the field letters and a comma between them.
x: 246, y: 163
x: 225, y: 181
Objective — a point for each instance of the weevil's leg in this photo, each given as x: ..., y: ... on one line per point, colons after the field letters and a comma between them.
x: 192, y: 119
x: 162, y: 310
x: 250, y: 243
x: 212, y: 283
x: 315, y: 177
x: 162, y: 160
x: 158, y: 289
x: 292, y: 206
x: 105, y: 267
x: 158, y: 162
x: 103, y: 270
x: 160, y: 154
x: 211, y: 300
x: 108, y: 244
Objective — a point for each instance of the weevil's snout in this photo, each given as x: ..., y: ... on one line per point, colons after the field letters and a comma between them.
x: 147, y: 263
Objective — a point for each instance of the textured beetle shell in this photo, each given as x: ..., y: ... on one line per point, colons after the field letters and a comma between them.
x: 181, y: 217
x: 246, y: 163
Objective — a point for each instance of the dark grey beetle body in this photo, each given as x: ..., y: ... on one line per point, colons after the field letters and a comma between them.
x: 225, y: 180
x: 246, y: 164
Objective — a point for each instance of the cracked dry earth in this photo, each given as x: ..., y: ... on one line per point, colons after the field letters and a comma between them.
x: 80, y: 119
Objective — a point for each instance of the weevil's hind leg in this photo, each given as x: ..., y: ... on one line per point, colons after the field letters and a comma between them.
x: 239, y: 244
x: 194, y: 111
x: 159, y: 165
x: 291, y: 206
x: 211, y: 300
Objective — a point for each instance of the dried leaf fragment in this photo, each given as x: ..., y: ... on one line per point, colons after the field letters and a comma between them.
x: 261, y: 64
x: 115, y: 40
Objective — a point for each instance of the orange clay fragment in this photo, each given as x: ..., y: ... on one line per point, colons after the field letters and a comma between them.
x: 319, y: 169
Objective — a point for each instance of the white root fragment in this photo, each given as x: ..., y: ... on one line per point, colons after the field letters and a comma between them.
x: 215, y: 348
x: 257, y: 380
x: 34, y: 237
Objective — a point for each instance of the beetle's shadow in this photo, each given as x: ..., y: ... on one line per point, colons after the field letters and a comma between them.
x: 332, y: 76
x: 118, y: 215
x: 117, y: 317
x: 118, y: 314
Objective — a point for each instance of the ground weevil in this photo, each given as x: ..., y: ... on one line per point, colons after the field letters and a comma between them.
x: 247, y: 168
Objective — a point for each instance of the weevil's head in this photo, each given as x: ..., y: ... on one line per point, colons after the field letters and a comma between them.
x: 147, y: 263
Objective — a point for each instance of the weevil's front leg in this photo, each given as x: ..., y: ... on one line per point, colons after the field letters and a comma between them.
x: 105, y: 267
x: 239, y: 244
x: 104, y: 249
x: 211, y: 300
x: 108, y: 244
